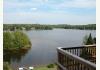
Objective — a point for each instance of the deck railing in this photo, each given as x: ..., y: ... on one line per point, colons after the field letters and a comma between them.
x: 77, y: 58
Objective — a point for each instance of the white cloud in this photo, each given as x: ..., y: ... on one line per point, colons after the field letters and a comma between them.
x: 64, y: 4
x: 56, y: 12
x: 34, y: 9
x: 76, y: 4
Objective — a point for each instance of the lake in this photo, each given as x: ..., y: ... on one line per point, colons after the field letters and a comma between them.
x: 44, y: 45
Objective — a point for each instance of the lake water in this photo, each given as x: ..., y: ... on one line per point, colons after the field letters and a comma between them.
x: 45, y: 43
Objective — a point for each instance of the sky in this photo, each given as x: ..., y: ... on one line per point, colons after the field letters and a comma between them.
x: 49, y: 11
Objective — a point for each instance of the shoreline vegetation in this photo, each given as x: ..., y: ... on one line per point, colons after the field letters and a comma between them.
x: 13, y: 27
x: 15, y: 40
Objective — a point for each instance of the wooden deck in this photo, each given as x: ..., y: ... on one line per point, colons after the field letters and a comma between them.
x: 77, y: 58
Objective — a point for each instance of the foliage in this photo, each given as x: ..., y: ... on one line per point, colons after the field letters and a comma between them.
x: 43, y: 27
x: 7, y: 40
x: 6, y: 66
x: 45, y: 68
x: 13, y: 40
x: 88, y: 40
x: 81, y: 27
x: 50, y: 66
x: 13, y: 27
x: 94, y: 39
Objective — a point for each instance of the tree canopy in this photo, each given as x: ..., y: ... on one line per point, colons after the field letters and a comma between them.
x: 15, y: 40
x: 88, y: 40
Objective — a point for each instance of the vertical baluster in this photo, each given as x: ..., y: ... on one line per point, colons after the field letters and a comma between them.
x: 80, y: 51
x: 90, y: 50
x: 85, y: 53
x: 80, y: 66
x: 75, y: 51
x: 75, y: 66
x: 66, y: 62
x: 72, y: 51
x: 62, y: 60
x: 93, y: 51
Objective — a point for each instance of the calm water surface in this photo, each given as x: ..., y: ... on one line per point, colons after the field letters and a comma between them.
x: 44, y: 44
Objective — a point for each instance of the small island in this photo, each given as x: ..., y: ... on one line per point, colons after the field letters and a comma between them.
x: 15, y: 40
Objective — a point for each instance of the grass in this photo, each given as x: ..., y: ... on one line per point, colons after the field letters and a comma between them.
x: 45, y: 68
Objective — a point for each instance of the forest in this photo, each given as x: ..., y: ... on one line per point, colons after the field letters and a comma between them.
x: 12, y: 27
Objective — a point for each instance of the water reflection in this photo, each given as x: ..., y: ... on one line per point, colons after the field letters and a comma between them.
x: 14, y: 55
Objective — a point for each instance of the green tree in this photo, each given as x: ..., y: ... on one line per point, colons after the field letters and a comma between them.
x: 7, y: 40
x: 89, y: 40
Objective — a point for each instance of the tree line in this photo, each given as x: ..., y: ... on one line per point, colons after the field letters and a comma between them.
x: 13, y: 27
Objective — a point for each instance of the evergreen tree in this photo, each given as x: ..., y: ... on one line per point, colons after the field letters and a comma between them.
x: 89, y: 40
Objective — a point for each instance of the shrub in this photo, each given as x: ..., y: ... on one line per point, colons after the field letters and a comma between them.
x: 50, y: 66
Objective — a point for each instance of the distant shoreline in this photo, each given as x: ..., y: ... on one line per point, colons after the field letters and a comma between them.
x: 14, y: 27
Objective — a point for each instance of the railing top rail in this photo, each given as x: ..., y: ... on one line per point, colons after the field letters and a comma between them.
x: 83, y: 46
x: 77, y: 58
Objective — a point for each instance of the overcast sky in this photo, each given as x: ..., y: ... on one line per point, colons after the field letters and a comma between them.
x: 50, y: 11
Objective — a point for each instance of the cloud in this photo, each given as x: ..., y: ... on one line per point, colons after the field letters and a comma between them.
x: 51, y: 3
x: 80, y: 4
x: 34, y: 9
x: 75, y: 4
x: 49, y: 11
